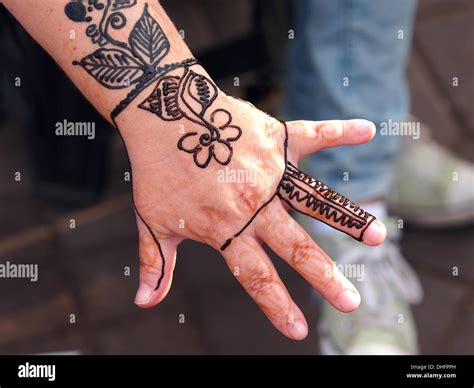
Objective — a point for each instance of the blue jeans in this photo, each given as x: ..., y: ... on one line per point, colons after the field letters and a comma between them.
x: 348, y: 60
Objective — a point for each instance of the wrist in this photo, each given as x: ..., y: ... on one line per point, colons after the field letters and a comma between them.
x: 179, y: 101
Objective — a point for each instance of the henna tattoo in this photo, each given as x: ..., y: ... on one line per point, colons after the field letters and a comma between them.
x: 155, y: 239
x: 180, y: 93
x: 186, y: 94
x: 148, y: 80
x: 285, y: 155
x: 118, y: 64
x: 319, y: 199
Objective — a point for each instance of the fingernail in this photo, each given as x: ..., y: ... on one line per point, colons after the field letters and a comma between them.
x: 365, y: 127
x: 143, y: 294
x: 348, y: 300
x: 375, y: 234
x: 298, y: 330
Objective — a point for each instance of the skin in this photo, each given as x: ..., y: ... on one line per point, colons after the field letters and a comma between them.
x: 175, y: 200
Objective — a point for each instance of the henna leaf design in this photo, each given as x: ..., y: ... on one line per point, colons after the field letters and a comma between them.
x: 163, y: 101
x: 201, y: 90
x: 147, y: 40
x: 189, y: 95
x: 112, y: 68
x: 120, y: 64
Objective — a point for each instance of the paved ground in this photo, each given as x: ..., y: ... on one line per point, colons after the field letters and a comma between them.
x: 82, y: 270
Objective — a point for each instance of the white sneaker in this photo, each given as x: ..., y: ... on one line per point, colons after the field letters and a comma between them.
x: 431, y: 186
x: 383, y: 324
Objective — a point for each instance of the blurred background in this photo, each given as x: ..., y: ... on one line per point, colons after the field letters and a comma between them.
x: 84, y: 270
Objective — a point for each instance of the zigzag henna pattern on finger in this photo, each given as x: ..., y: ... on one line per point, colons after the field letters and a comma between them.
x: 322, y: 203
x: 297, y: 187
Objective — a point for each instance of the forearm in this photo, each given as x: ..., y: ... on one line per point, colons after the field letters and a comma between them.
x: 113, y: 51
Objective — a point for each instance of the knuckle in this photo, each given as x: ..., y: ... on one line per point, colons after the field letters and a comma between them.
x: 213, y: 237
x: 149, y: 268
x: 280, y: 314
x: 248, y: 200
x: 259, y: 280
x: 267, y: 227
x: 270, y: 169
x: 271, y: 128
x: 332, y: 131
x: 302, y: 251
x: 280, y: 131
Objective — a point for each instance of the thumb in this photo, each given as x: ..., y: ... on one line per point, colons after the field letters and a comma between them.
x: 157, y: 261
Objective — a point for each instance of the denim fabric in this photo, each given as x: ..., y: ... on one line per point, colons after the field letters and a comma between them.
x: 347, y: 61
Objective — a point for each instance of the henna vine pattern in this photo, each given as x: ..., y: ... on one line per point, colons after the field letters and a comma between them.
x: 186, y: 94
x: 117, y: 64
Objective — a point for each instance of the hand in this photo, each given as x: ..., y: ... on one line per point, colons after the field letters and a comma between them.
x: 229, y: 189
x: 205, y: 166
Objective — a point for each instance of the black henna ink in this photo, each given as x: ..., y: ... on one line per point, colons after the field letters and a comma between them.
x: 162, y: 256
x: 76, y: 11
x: 186, y: 94
x: 117, y: 64
x: 334, y: 207
x: 296, y: 186
x: 147, y: 80
x: 285, y: 154
x: 123, y: 65
x: 136, y: 64
x: 180, y: 93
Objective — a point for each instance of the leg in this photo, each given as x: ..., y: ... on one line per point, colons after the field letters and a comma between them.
x: 347, y: 61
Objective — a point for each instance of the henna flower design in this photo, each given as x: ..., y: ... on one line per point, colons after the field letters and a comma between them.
x: 205, y: 146
x: 180, y: 93
x: 189, y: 95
